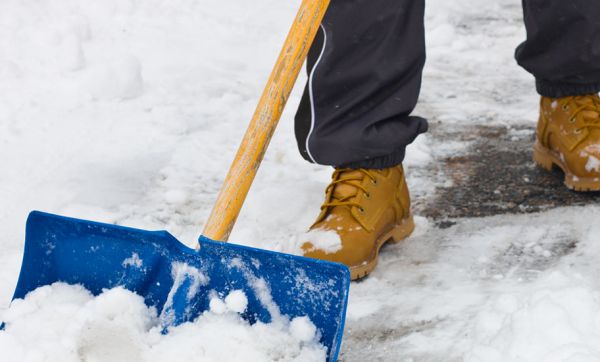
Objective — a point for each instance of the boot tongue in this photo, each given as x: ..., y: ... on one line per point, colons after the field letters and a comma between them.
x: 345, y: 190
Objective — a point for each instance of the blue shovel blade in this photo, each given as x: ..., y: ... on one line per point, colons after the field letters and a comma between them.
x: 179, y: 281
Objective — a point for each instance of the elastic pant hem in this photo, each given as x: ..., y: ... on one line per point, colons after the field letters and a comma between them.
x: 559, y: 90
x: 378, y: 163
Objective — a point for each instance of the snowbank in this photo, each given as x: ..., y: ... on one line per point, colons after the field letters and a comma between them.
x: 66, y: 323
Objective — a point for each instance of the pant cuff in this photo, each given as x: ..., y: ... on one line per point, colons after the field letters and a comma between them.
x: 559, y: 90
x: 378, y: 163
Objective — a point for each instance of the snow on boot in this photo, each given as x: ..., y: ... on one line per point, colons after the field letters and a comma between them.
x: 568, y: 136
x: 366, y: 208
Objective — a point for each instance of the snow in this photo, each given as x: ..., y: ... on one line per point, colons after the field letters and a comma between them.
x: 593, y: 164
x: 217, y: 306
x: 445, y: 292
x: 236, y: 301
x: 117, y: 79
x: 182, y: 273
x: 303, y: 329
x: 134, y: 261
x: 327, y: 241
x: 557, y: 319
x: 66, y: 323
x: 129, y: 112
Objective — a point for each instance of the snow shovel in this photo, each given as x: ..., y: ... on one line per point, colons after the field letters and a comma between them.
x: 180, y: 281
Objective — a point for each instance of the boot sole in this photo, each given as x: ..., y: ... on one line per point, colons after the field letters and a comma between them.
x: 400, y: 232
x: 547, y: 159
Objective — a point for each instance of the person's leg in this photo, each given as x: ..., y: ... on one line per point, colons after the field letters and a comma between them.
x: 562, y: 51
x: 364, y: 79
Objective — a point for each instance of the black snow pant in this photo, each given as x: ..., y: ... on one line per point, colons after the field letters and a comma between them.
x: 365, y: 69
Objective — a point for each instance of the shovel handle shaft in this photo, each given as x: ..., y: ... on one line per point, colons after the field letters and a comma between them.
x: 265, y: 119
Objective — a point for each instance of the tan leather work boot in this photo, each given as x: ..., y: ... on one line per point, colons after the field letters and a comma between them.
x: 366, y: 208
x: 568, y: 136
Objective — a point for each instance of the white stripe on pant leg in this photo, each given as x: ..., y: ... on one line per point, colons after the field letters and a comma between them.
x: 312, y: 98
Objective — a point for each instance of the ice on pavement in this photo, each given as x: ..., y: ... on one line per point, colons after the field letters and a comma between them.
x: 66, y: 323
x: 129, y: 112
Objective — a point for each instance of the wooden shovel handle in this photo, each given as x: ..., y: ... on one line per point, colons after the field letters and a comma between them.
x: 265, y: 119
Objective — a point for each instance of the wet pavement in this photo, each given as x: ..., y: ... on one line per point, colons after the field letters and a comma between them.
x: 496, y: 175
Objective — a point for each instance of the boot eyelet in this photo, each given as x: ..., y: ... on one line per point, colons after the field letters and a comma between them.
x: 374, y: 182
x: 572, y: 120
x: 362, y: 211
x: 565, y: 107
x: 367, y: 195
x: 578, y: 131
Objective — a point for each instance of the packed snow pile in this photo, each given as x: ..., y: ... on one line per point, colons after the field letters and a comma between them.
x: 66, y: 323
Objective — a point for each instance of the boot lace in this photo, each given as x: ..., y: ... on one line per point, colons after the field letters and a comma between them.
x: 341, y: 177
x: 589, y: 108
